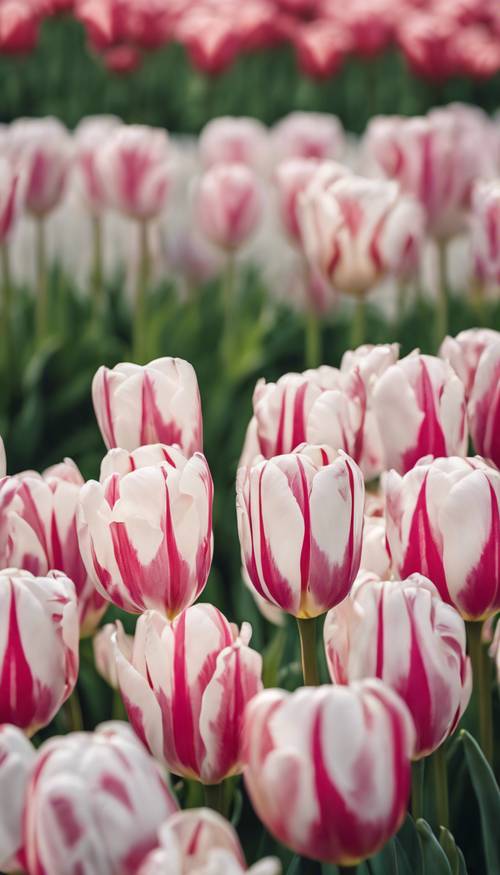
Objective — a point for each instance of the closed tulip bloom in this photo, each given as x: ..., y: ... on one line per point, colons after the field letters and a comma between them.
x: 121, y: 462
x: 101, y: 798
x: 10, y: 198
x: 90, y: 135
x: 485, y: 222
x: 146, y: 537
x: 328, y: 768
x: 300, y: 523
x: 17, y: 759
x: 3, y: 459
x: 308, y: 135
x: 135, y: 167
x: 44, y: 151
x: 443, y: 521
x: 420, y: 406
x: 185, y: 688
x: 38, y: 647
x: 321, y: 47
x: 292, y: 177
x: 484, y: 404
x: 19, y: 26
x: 104, y: 655
x: 375, y: 557
x: 229, y: 205
x: 201, y: 842
x: 157, y: 403
x: 38, y: 532
x: 403, y: 633
x: 358, y: 231
x: 232, y: 140
x: 464, y: 351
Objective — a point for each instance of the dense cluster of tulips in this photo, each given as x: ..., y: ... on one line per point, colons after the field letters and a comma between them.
x: 356, y: 501
x: 439, y: 38
x: 318, y: 213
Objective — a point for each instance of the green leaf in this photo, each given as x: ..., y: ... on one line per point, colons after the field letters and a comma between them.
x: 409, y: 849
x: 488, y: 797
x: 273, y: 656
x: 435, y: 859
x: 454, y: 854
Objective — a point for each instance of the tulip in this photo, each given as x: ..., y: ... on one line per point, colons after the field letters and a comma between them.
x: 3, y: 459
x: 10, y: 198
x: 443, y: 522
x: 200, y: 842
x: 39, y: 655
x: 403, y: 633
x: 486, y: 232
x: 44, y: 149
x: 100, y: 797
x: 464, y: 351
x: 38, y: 532
x: 211, y: 40
x: 328, y: 769
x: 122, y: 462
x: 104, y: 657
x: 369, y: 24
x: 91, y: 134
x: 308, y: 135
x: 375, y: 557
x: 300, y: 523
x: 484, y: 404
x: 146, y: 537
x: 17, y: 759
x: 19, y: 26
x: 321, y: 47
x: 228, y: 205
x: 292, y: 177
x: 185, y: 688
x: 157, y: 403
x: 420, y: 406
x: 231, y: 140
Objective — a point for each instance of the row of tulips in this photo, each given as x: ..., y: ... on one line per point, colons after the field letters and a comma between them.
x: 397, y: 573
x: 438, y: 38
x: 316, y: 214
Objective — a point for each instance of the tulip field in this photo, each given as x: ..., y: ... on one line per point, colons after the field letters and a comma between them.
x: 249, y: 437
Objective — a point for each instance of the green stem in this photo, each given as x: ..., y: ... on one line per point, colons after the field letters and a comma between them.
x: 74, y: 711
x: 6, y: 303
x: 312, y: 339
x: 143, y: 279
x: 438, y: 763
x: 417, y: 789
x: 214, y: 797
x: 442, y: 301
x: 481, y: 672
x: 228, y: 287
x: 358, y: 325
x: 402, y: 294
x: 41, y: 280
x: 308, y: 650
x: 97, y: 279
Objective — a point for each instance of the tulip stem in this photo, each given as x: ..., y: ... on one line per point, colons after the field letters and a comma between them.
x: 97, y: 266
x: 481, y: 672
x: 442, y: 301
x: 6, y: 303
x: 417, y: 789
x: 143, y: 279
x: 358, y: 325
x: 308, y: 650
x: 438, y: 761
x: 41, y: 280
x: 74, y: 711
x: 313, y: 339
x: 214, y: 797
x: 228, y: 285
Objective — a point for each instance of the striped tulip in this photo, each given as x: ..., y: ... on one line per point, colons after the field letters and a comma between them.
x: 443, y: 521
x: 485, y: 222
x: 44, y: 151
x: 229, y: 205
x: 484, y: 404
x: 121, y: 462
x: 232, y: 140
x: 375, y: 557
x: 104, y: 654
x: 17, y: 759
x: 90, y: 135
x: 100, y: 797
x: 185, y: 687
x: 38, y: 532
x: 300, y: 523
x: 420, y: 406
x: 146, y: 537
x: 157, y: 403
x: 38, y: 647
x: 3, y: 459
x: 10, y: 197
x: 328, y: 768
x: 308, y: 135
x: 200, y: 842
x: 403, y: 633
x: 464, y: 351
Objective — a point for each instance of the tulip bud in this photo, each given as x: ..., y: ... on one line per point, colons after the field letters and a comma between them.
x: 292, y: 177
x: 157, y: 403
x: 231, y: 140
x: 44, y: 150
x: 37, y: 671
x: 38, y: 532
x: 484, y: 404
x: 375, y: 558
x: 19, y: 26
x: 443, y: 521
x: 403, y: 633
x: 464, y: 351
x: 300, y: 523
x: 104, y: 656
x: 134, y: 165
x: 200, y: 842
x: 420, y: 407
x: 486, y: 232
x: 10, y: 198
x: 185, y: 689
x: 100, y: 797
x: 122, y: 462
x: 17, y: 759
x: 90, y: 135
x: 308, y: 135
x: 229, y: 205
x: 328, y: 768
x: 146, y: 538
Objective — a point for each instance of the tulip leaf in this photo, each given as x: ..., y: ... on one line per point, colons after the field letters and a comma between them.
x: 454, y: 854
x: 409, y: 849
x: 273, y: 656
x: 435, y: 859
x: 488, y: 797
